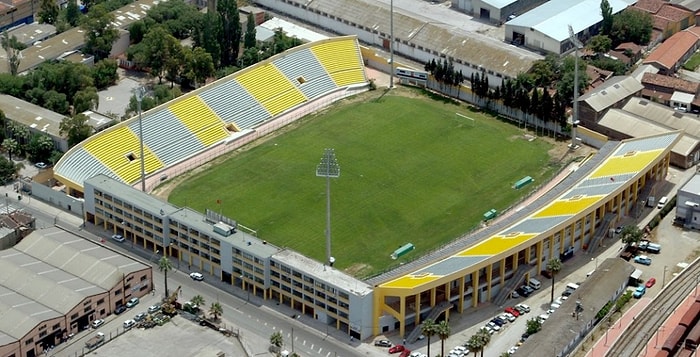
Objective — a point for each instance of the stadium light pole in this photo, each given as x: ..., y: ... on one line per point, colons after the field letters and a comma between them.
x: 574, y: 120
x: 328, y: 168
x: 139, y: 93
x: 391, y: 44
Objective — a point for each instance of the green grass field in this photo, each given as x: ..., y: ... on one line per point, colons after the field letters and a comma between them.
x: 411, y: 171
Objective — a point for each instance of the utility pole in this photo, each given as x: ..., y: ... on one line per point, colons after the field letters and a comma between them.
x: 328, y: 168
x: 574, y: 119
x: 391, y: 44
x: 139, y: 93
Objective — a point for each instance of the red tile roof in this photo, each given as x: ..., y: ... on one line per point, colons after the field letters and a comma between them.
x: 670, y: 82
x: 694, y: 30
x: 631, y: 46
x: 660, y: 23
x: 673, y: 13
x: 650, y: 6
x: 672, y: 50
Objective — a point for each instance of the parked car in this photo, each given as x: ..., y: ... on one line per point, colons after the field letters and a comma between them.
x: 97, y: 323
x: 140, y: 316
x: 509, y: 316
x: 197, y: 276
x: 397, y: 349
x: 514, y: 295
x: 132, y: 302
x: 118, y: 238
x: 650, y: 282
x: 523, y: 307
x: 382, y: 343
x: 618, y: 230
x: 512, y: 310
x: 405, y: 353
x: 40, y: 165
x: 129, y: 324
x: 119, y: 309
x: 493, y: 326
x: 153, y: 308
x: 642, y: 259
x: 639, y: 292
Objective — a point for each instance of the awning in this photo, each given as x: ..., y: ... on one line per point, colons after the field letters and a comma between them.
x: 637, y: 274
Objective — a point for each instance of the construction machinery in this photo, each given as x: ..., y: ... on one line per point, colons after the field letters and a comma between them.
x: 170, y: 304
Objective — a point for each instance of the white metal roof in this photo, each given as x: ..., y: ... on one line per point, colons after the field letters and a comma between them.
x: 553, y: 17
x: 611, y: 92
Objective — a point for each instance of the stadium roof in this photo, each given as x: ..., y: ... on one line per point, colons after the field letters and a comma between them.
x: 623, y: 164
x: 612, y: 91
x: 49, y: 273
x: 553, y: 17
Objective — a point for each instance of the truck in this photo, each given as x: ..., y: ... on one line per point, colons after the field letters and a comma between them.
x: 95, y: 340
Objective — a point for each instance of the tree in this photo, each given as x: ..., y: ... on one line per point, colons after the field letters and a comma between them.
x: 206, y: 36
x: 216, y: 310
x: 10, y: 146
x: 137, y: 31
x: 631, y: 234
x: 165, y: 265
x: 176, y: 16
x: 429, y: 329
x: 229, y: 31
x: 606, y: 12
x: 565, y: 87
x: 76, y: 128
x: 475, y: 344
x: 73, y: 13
x: 48, y: 11
x: 100, y: 34
x: 104, y: 73
x: 9, y: 170
x: 533, y: 326
x: 554, y: 267
x: 249, y: 38
x: 631, y: 26
x: 13, y: 54
x: 157, y: 50
x: 599, y: 43
x: 276, y: 339
x: 198, y: 300
x: 199, y: 65
x: 40, y: 147
x: 485, y: 338
x: 85, y: 100
x: 443, y: 331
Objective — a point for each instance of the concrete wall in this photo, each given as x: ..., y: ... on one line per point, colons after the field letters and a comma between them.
x: 57, y: 198
x: 590, y: 137
x: 533, y: 39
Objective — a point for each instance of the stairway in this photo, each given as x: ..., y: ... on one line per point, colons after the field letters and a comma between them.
x: 601, y: 232
x: 433, y: 315
x: 511, y: 284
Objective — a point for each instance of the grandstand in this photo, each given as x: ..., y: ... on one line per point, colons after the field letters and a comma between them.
x: 213, y: 115
x: 484, y: 262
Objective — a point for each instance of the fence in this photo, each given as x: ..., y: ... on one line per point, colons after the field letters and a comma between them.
x: 226, y: 146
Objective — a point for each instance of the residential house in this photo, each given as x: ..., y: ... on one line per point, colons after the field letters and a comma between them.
x: 670, y: 91
x: 673, y: 52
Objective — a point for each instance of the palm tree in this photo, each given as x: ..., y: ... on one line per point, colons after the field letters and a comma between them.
x: 198, y: 300
x: 428, y: 328
x: 485, y: 338
x: 443, y: 331
x: 165, y: 266
x: 216, y: 310
x: 11, y: 146
x: 554, y: 266
x: 475, y: 344
x: 276, y: 339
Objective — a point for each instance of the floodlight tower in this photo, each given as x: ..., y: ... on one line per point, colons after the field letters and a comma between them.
x: 391, y: 44
x: 139, y: 93
x: 574, y: 119
x: 328, y: 168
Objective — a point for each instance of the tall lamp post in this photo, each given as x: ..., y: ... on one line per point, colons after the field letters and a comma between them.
x: 574, y: 120
x: 139, y: 93
x: 391, y: 44
x: 328, y: 168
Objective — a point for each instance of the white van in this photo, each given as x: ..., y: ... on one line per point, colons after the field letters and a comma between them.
x: 662, y: 202
x: 534, y: 283
x: 572, y: 286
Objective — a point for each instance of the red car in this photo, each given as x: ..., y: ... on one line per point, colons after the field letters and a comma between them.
x: 650, y: 282
x: 397, y: 349
x: 512, y: 311
x: 405, y: 353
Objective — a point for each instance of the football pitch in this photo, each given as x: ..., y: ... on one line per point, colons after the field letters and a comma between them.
x: 412, y: 170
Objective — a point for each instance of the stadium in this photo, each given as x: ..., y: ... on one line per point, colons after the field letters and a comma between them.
x: 475, y: 268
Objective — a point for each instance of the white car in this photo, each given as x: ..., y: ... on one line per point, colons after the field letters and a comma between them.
x: 118, y: 238
x: 512, y: 350
x: 494, y: 326
x: 129, y: 324
x: 97, y: 323
x: 197, y: 276
x: 543, y: 317
x: 509, y: 316
x: 524, y: 307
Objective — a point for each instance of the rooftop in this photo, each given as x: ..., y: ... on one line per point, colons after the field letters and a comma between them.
x: 563, y: 327
x: 650, y: 6
x: 31, y: 115
x: 673, y: 13
x: 28, y: 34
x: 692, y: 5
x: 693, y: 185
x: 611, y: 91
x: 553, y: 17
x: 670, y: 82
x: 670, y: 52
